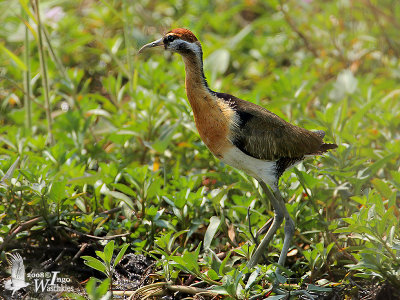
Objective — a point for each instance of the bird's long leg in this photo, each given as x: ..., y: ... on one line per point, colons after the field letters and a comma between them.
x: 279, y: 214
x: 289, y: 229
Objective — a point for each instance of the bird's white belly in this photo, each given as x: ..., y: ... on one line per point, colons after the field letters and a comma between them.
x: 259, y: 169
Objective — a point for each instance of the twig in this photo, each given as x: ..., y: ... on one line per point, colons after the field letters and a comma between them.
x: 78, y: 254
x: 28, y: 224
x: 393, y: 21
x: 110, y: 211
x: 58, y: 258
x: 20, y: 228
x: 43, y: 69
x: 155, y: 288
x: 295, y: 29
x: 27, y: 78
x: 251, y: 232
x: 111, y: 237
x: 383, y: 31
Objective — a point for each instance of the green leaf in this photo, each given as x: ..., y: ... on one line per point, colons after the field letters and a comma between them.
x: 101, y: 255
x: 315, y: 288
x: 108, y: 251
x: 276, y: 297
x: 212, y: 274
x: 188, y: 264
x: 211, y: 230
x: 91, y: 285
x: 98, y: 291
x: 281, y: 278
x: 102, y: 289
x: 94, y: 263
x: 252, y: 278
x: 329, y: 248
x: 10, y: 172
x: 28, y: 175
x: 120, y: 254
x: 87, y: 179
x: 171, y: 241
x: 122, y: 197
x: 189, y: 261
x: 379, y: 164
x: 223, y: 264
x: 308, y: 180
x: 123, y: 188
x: 74, y: 296
x: 15, y: 58
x: 220, y: 290
x: 57, y: 191
x: 161, y: 144
x: 382, y: 187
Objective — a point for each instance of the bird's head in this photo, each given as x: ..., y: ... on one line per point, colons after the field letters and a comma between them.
x: 178, y: 40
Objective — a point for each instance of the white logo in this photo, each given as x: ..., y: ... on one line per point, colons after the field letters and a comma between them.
x: 17, y: 280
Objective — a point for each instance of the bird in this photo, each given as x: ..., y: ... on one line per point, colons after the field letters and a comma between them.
x: 17, y: 280
x: 244, y: 135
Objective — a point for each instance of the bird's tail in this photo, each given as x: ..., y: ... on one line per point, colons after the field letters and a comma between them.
x: 327, y: 146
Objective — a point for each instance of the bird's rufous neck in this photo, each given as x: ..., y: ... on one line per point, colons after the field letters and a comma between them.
x: 195, y: 82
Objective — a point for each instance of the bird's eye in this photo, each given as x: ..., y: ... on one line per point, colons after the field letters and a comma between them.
x: 169, y: 38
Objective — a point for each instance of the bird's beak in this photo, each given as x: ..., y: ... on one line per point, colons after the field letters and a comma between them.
x: 151, y: 45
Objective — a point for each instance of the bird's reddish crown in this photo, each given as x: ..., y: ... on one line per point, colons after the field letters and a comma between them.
x: 184, y: 34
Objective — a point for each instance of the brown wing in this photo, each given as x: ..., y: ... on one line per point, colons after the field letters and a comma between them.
x: 264, y: 135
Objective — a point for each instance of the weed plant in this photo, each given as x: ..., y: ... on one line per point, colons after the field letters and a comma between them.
x: 97, y: 140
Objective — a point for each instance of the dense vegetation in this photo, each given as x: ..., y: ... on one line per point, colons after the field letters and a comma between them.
x: 96, y: 141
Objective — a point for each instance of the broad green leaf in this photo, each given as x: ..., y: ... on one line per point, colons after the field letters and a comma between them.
x: 281, y: 278
x: 10, y: 172
x: 108, y: 251
x: 94, y: 263
x: 171, y: 241
x: 120, y: 254
x: 382, y: 187
x: 315, y: 288
x: 121, y: 197
x: 211, y: 231
x: 179, y: 201
x: 212, y: 274
x: 188, y: 262
x: 376, y: 166
x: 87, y: 179
x: 252, y: 278
x: 221, y: 290
x: 308, y: 180
x: 124, y: 189
x: 74, y: 296
x: 28, y: 175
x: 161, y: 144
x: 101, y: 255
x: 102, y: 289
x: 57, y: 191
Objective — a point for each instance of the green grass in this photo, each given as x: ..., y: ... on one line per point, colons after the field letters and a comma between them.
x: 125, y: 140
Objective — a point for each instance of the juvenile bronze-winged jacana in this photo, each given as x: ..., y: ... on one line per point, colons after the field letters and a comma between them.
x: 244, y: 135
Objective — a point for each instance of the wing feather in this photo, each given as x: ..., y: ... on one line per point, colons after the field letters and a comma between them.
x: 263, y: 135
